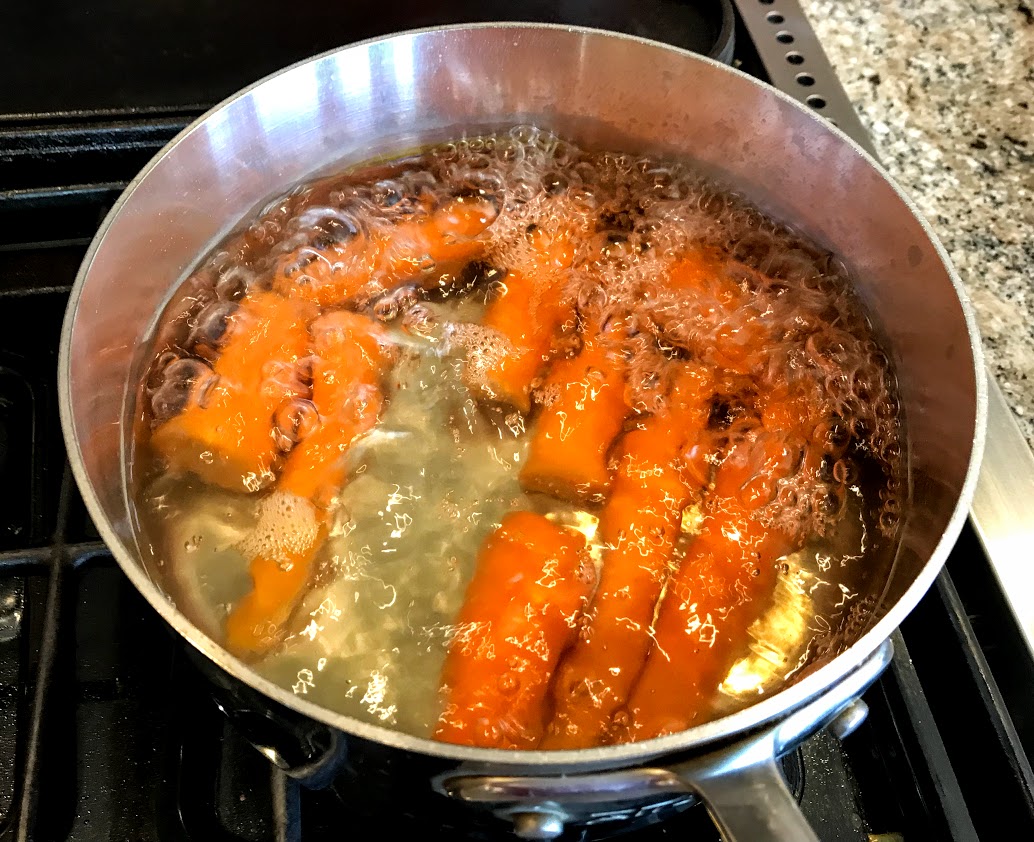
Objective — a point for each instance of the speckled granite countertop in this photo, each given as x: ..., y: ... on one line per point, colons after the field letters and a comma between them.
x: 946, y: 89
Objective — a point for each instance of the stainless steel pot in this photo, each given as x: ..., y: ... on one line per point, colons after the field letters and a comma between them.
x: 601, y: 90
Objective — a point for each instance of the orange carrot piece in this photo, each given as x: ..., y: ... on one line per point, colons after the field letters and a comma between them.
x: 257, y: 621
x: 350, y: 356
x: 639, y: 524
x: 418, y: 251
x: 531, y: 306
x: 738, y: 332
x: 568, y: 452
x: 519, y: 614
x: 724, y: 583
x: 227, y: 435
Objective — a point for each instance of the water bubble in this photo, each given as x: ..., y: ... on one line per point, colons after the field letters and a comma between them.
x: 387, y: 193
x: 234, y: 283
x: 845, y: 472
x: 388, y: 306
x: 828, y: 504
x: 787, y: 496
x: 419, y: 320
x: 509, y: 683
x: 183, y: 380
x: 210, y: 329
x: 294, y: 421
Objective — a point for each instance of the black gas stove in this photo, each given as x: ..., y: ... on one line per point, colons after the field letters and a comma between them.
x: 107, y: 731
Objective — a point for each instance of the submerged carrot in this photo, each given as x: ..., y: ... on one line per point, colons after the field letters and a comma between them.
x: 280, y: 577
x: 584, y: 411
x: 701, y: 269
x: 519, y: 614
x: 639, y: 525
x: 720, y: 310
x: 723, y: 585
x: 529, y: 309
x: 350, y: 356
x: 418, y: 251
x: 226, y: 436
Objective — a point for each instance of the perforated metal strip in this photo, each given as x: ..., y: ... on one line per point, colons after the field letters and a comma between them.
x: 797, y: 64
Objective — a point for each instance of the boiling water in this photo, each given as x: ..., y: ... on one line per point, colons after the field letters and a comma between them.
x: 440, y: 469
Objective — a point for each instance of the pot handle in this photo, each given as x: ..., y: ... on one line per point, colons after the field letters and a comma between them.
x: 741, y: 784
x: 303, y: 749
x: 754, y: 804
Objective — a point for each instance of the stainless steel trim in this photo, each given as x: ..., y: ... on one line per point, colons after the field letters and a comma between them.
x: 1002, y: 510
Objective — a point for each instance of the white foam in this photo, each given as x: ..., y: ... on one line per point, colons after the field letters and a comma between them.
x: 287, y: 526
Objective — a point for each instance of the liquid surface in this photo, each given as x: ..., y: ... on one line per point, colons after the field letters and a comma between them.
x: 700, y: 405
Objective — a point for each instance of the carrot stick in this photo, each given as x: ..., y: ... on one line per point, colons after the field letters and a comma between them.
x: 724, y: 583
x: 701, y: 268
x: 639, y: 524
x: 227, y: 436
x: 568, y: 452
x: 280, y: 578
x: 350, y: 357
x: 519, y: 614
x: 418, y: 251
x: 735, y: 331
x: 531, y: 306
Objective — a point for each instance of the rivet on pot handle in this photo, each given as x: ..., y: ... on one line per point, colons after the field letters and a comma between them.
x: 741, y: 785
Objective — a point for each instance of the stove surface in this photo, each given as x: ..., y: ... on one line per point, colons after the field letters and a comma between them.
x: 184, y: 57
x: 108, y: 731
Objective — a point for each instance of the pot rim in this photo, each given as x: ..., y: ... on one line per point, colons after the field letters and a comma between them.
x: 767, y: 710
